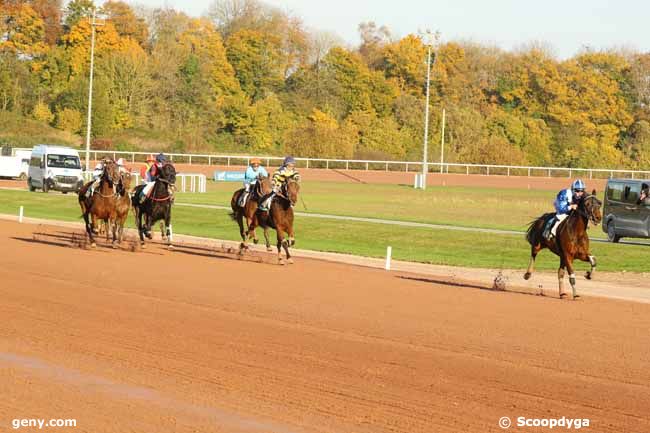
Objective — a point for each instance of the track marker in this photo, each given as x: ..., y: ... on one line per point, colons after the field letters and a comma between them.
x: 389, y: 251
x: 20, y: 215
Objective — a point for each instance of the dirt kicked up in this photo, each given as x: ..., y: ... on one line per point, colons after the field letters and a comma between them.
x: 173, y: 341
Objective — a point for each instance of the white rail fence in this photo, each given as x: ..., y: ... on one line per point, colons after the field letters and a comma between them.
x: 185, y: 182
x: 395, y: 166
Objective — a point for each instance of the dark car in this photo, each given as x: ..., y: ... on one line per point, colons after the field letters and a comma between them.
x: 626, y: 209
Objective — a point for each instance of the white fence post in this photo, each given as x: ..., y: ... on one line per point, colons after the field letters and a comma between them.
x: 389, y: 251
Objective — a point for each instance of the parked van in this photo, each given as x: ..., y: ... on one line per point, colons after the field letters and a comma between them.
x: 14, y: 167
x: 626, y: 209
x: 54, y: 167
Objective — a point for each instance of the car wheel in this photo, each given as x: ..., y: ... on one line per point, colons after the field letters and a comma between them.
x: 22, y: 176
x: 31, y: 187
x: 611, y: 233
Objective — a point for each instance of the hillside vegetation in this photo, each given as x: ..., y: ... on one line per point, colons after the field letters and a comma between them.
x: 250, y: 78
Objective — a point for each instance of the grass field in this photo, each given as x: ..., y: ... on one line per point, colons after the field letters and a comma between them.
x: 473, y: 207
x: 461, y: 206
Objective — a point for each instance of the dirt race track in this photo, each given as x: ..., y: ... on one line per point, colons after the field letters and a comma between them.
x: 188, y: 341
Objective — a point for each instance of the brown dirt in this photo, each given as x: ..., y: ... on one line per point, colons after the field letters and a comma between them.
x: 196, y: 341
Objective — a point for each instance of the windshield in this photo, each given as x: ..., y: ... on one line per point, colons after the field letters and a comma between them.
x: 63, y: 161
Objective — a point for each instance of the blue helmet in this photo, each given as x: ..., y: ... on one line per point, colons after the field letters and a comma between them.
x: 160, y: 158
x: 578, y: 185
x: 288, y: 160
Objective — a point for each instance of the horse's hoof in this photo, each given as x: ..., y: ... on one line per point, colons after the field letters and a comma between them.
x: 269, y: 249
x: 563, y: 295
x: 281, y: 262
x: 576, y: 298
x: 290, y: 261
x: 115, y: 246
x: 170, y: 247
x: 527, y: 276
x: 588, y: 275
x: 143, y: 246
x: 93, y: 245
x: 256, y: 241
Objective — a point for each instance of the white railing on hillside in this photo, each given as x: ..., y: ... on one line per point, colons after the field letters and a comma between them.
x: 397, y: 166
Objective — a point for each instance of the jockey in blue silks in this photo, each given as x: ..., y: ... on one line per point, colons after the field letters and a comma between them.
x: 565, y: 201
x: 253, y: 171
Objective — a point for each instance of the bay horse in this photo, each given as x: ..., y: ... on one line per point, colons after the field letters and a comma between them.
x: 156, y: 207
x: 280, y: 217
x: 122, y: 205
x: 570, y: 243
x: 262, y: 187
x: 100, y: 205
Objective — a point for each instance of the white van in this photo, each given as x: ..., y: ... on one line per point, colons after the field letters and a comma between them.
x: 14, y: 166
x: 54, y: 167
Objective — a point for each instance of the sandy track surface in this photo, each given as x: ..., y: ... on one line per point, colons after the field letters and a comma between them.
x: 197, y: 341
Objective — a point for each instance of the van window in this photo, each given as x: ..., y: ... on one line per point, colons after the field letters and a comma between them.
x: 63, y: 161
x: 632, y: 193
x: 615, y: 191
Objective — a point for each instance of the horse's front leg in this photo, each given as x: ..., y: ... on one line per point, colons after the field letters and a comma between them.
x: 140, y: 227
x: 592, y: 261
x: 114, y: 228
x: 148, y: 223
x: 89, y: 229
x: 252, y: 224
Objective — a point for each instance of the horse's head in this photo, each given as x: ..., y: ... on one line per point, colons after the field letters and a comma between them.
x: 591, y: 207
x: 292, y: 189
x: 264, y: 185
x: 111, y: 172
x: 126, y: 180
x: 168, y: 174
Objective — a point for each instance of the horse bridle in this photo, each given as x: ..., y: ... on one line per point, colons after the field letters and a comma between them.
x: 168, y: 183
x: 589, y: 215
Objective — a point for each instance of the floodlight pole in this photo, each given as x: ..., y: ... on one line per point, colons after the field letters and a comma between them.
x: 426, y: 124
x: 425, y: 150
x: 93, y: 24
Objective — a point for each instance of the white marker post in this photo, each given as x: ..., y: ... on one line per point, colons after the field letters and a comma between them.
x: 389, y: 251
x: 20, y: 215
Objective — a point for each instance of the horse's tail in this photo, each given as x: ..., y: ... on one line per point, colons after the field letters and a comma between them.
x: 534, y: 232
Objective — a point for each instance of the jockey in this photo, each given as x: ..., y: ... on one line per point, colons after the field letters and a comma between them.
x: 120, y: 166
x: 280, y: 177
x: 253, y: 171
x: 145, y: 169
x: 152, y: 175
x: 98, y: 171
x: 565, y: 201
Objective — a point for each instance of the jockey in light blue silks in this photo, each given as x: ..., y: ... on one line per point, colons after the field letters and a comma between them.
x: 565, y: 201
x: 253, y: 171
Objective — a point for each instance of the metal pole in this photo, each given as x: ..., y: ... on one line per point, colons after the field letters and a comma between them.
x: 90, y: 90
x: 426, y: 121
x: 442, y: 142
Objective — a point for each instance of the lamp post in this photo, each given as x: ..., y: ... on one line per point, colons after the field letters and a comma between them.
x: 93, y: 24
x: 425, y: 151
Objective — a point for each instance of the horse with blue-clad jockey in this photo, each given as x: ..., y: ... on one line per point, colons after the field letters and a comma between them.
x: 564, y: 232
x: 244, y: 202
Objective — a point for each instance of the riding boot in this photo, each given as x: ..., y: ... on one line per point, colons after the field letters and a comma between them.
x: 242, y: 199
